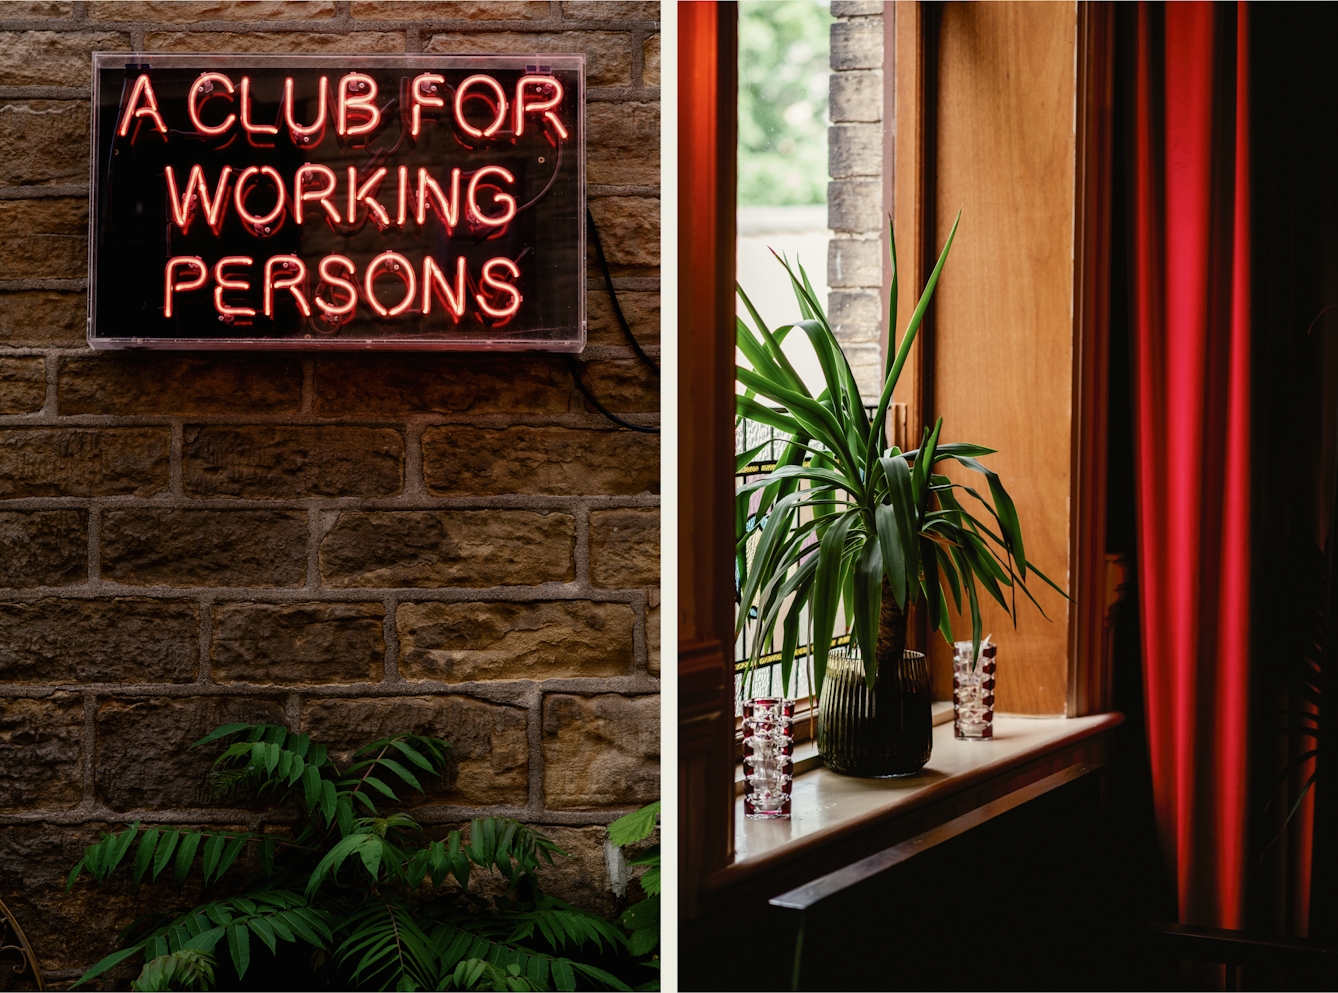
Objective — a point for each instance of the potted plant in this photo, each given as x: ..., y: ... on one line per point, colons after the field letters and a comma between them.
x: 844, y: 517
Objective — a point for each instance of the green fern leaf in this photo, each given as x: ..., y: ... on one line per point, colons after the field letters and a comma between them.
x: 300, y: 926
x: 413, y: 755
x: 634, y: 827
x: 371, y: 853
x: 230, y: 855
x: 213, y: 848
x: 186, y: 855
x: 239, y: 945
x: 330, y: 864
x: 148, y: 842
x: 329, y: 801
x: 403, y: 773
x: 264, y: 929
x: 563, y: 977
x: 223, y: 732
x: 115, y: 850
x: 167, y: 844
x: 110, y: 962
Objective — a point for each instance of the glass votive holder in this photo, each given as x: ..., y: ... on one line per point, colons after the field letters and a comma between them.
x: 973, y: 691
x: 768, y: 757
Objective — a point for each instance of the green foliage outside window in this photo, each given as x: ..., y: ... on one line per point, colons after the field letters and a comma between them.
x: 783, y: 73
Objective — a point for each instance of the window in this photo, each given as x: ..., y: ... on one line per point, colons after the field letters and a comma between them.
x: 1013, y: 353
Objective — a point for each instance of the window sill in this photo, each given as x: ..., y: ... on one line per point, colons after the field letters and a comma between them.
x: 806, y: 757
x: 836, y: 819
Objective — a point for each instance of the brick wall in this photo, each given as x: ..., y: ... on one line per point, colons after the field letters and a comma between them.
x: 349, y: 544
x: 855, y: 196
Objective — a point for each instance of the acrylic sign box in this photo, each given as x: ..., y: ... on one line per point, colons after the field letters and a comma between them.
x: 286, y: 202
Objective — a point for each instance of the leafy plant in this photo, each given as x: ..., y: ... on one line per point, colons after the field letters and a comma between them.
x: 843, y: 517
x: 642, y: 919
x: 367, y: 893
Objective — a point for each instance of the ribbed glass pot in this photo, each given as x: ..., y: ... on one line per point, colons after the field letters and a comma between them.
x: 880, y: 733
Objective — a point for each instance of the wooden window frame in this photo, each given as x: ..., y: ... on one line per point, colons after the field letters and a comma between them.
x: 707, y: 150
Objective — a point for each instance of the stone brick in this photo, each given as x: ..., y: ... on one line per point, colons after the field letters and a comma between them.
x: 43, y: 319
x: 601, y: 751
x: 442, y: 384
x: 623, y: 386
x: 43, y: 548
x: 866, y: 360
x: 608, y: 53
x: 47, y: 462
x: 650, y: 60
x: 142, y: 753
x: 857, y: 8
x: 460, y: 460
x: 855, y: 205
x: 22, y: 385
x: 857, y: 45
x: 623, y: 144
x: 14, y: 9
x: 304, y: 42
x: 653, y: 635
x: 610, y: 10
x: 67, y: 930
x: 855, y: 96
x: 629, y: 228
x: 179, y: 384
x: 849, y: 308
x: 44, y: 239
x: 625, y: 548
x: 171, y: 12
x: 120, y: 640
x: 204, y: 547
x: 473, y: 548
x: 641, y: 309
x: 855, y: 262
x: 490, y: 742
x: 276, y: 462
x: 54, y: 58
x: 439, y: 10
x: 582, y: 878
x: 459, y: 642
x: 41, y: 752
x: 38, y: 139
x: 297, y: 643
x: 854, y: 150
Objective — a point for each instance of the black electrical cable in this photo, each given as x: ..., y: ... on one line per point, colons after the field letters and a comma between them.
x: 613, y: 297
x: 618, y: 312
x: 576, y: 375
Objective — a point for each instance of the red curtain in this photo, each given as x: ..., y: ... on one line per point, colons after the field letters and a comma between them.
x: 1191, y: 348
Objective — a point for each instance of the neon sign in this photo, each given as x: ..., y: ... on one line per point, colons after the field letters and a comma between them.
x: 338, y: 202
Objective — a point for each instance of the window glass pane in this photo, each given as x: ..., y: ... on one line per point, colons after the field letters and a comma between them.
x: 782, y: 167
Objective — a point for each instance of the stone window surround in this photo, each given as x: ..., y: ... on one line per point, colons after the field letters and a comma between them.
x: 855, y: 195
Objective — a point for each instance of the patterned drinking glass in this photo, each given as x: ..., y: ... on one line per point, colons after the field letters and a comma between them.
x: 768, y: 757
x: 973, y: 691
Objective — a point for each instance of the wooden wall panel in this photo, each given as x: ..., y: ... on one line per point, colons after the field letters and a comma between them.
x: 910, y: 189
x: 1003, y: 335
